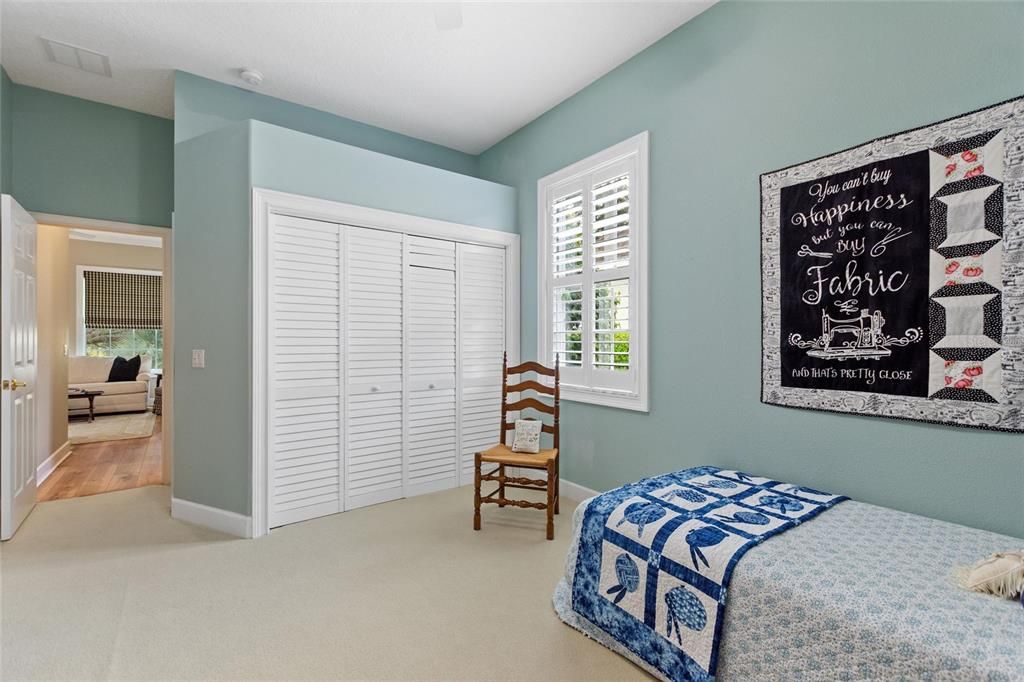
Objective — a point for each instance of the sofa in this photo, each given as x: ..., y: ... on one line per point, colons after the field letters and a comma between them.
x: 91, y: 373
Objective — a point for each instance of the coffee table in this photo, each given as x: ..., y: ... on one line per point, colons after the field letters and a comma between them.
x: 91, y: 395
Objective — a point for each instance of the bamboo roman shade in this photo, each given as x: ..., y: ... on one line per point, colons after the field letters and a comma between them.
x: 121, y: 300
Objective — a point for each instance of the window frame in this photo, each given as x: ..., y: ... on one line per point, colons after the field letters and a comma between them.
x: 578, y: 384
x: 80, y: 331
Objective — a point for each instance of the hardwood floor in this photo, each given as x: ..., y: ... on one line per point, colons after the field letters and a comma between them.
x: 94, y: 468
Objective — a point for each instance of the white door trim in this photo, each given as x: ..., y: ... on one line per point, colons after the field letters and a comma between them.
x: 165, y: 234
x: 266, y: 202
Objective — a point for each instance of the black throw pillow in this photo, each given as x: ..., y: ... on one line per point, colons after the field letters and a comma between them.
x: 125, y: 370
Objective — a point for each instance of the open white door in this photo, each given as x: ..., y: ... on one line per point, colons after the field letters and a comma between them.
x: 18, y: 331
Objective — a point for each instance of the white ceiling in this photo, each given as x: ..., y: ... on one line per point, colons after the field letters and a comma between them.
x: 386, y: 64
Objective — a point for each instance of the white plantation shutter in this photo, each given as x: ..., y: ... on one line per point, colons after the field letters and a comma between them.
x: 567, y: 234
x: 567, y: 325
x: 305, y: 351
x: 610, y: 223
x: 611, y: 325
x: 594, y: 275
x: 374, y: 452
x: 482, y: 343
x: 432, y: 448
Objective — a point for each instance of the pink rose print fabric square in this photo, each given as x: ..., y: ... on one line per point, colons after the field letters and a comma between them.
x: 966, y: 270
x: 960, y: 374
x: 965, y: 164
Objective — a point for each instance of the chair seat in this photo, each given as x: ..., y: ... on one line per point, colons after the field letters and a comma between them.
x: 503, y: 454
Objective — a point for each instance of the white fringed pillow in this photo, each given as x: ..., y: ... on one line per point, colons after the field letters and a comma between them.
x: 527, y: 437
x: 1001, y: 574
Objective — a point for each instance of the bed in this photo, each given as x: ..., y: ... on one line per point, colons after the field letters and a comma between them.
x: 858, y: 592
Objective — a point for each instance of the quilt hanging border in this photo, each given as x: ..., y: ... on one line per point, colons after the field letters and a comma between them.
x: 1003, y: 414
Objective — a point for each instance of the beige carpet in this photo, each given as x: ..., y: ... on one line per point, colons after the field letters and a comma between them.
x: 111, y: 427
x: 110, y: 587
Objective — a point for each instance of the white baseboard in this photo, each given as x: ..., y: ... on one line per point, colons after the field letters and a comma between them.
x: 211, y: 517
x: 48, y: 465
x: 574, y: 491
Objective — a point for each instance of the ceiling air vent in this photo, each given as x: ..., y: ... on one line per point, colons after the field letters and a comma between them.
x: 77, y: 57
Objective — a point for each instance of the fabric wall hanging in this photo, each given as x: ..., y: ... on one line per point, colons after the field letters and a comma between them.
x: 122, y: 300
x: 892, y: 275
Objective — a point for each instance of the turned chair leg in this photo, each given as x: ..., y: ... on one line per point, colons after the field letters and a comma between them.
x: 501, y: 486
x: 476, y: 493
x: 558, y: 485
x: 550, y: 507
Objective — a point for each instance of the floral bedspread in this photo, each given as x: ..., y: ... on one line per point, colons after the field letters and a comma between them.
x: 861, y: 593
x: 654, y: 559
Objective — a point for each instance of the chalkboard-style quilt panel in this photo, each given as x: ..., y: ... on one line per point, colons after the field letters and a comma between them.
x: 893, y: 276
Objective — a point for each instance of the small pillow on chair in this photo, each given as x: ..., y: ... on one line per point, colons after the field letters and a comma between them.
x: 527, y: 436
x: 124, y: 370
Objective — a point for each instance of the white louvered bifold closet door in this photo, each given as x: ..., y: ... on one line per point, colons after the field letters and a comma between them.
x: 305, y: 351
x: 482, y: 343
x: 374, y: 453
x: 431, y: 345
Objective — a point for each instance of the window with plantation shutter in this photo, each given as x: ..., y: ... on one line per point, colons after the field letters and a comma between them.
x: 593, y: 271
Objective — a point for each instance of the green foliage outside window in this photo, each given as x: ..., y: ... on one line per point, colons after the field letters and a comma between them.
x: 126, y: 342
x: 605, y: 313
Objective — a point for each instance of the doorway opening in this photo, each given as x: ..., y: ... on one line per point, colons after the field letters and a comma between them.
x: 104, y: 328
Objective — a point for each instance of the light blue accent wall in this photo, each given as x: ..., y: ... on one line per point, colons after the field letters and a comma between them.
x: 743, y: 89
x: 211, y: 311
x: 202, y: 105
x: 292, y: 161
x: 79, y: 158
x: 6, y: 132
x: 213, y: 176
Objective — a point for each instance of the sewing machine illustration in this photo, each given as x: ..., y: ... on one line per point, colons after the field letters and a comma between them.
x: 854, y: 337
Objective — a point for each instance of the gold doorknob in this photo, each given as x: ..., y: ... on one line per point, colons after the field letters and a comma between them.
x: 13, y: 384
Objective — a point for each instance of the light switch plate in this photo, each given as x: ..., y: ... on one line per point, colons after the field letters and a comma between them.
x: 198, y: 358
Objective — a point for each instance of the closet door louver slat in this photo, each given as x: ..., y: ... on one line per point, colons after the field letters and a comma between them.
x: 306, y: 353
x: 374, y: 453
x: 430, y: 369
x: 481, y: 344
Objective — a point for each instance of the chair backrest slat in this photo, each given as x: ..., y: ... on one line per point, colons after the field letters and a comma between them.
x: 531, y: 385
x: 529, y: 402
x: 532, y: 367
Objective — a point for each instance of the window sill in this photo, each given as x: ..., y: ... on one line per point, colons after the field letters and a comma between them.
x: 593, y: 396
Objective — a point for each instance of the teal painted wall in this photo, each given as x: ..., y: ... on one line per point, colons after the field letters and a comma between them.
x: 213, y: 175
x: 742, y: 89
x: 291, y: 161
x: 211, y: 311
x: 89, y: 160
x: 6, y: 132
x: 202, y: 105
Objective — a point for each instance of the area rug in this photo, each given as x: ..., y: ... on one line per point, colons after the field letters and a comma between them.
x: 112, y: 427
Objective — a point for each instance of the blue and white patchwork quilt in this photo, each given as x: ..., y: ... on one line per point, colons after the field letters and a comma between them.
x: 654, y: 559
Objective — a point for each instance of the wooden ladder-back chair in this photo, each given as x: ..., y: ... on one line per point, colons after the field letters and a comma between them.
x: 503, y: 456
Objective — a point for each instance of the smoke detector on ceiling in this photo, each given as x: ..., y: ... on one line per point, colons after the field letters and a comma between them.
x: 251, y: 76
x: 77, y: 57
